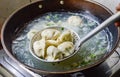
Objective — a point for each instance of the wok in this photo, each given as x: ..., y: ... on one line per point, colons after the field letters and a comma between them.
x: 15, y: 23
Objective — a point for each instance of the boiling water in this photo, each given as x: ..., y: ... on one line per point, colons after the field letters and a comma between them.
x: 91, y: 51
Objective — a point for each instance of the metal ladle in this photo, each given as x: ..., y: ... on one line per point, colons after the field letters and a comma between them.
x: 78, y: 42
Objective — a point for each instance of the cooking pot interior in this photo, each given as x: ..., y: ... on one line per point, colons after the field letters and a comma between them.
x: 16, y: 22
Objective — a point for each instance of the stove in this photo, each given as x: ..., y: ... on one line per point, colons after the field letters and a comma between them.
x: 109, y: 68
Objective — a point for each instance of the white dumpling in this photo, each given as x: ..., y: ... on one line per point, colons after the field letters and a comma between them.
x: 50, y: 34
x: 74, y: 20
x: 39, y: 48
x: 31, y: 33
x: 66, y: 48
x: 65, y: 36
x: 52, y: 42
x: 53, y: 53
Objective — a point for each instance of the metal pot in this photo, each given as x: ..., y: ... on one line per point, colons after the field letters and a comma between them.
x: 27, y: 13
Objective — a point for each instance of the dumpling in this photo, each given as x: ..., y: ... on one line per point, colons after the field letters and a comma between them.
x: 31, y: 33
x: 39, y: 48
x: 50, y: 34
x: 74, y: 20
x: 53, y: 53
x: 66, y: 48
x: 65, y: 36
x: 52, y: 42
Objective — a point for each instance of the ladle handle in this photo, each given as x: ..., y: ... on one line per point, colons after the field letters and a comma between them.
x: 106, y: 23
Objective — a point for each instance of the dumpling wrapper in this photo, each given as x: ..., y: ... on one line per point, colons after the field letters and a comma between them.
x: 66, y: 48
x: 53, y: 53
x: 52, y: 43
x: 65, y: 36
x: 50, y: 34
x: 39, y: 48
x: 74, y: 20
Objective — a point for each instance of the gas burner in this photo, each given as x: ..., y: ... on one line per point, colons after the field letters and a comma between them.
x: 105, y: 69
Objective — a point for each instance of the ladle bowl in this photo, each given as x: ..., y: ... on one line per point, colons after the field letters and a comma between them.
x: 38, y: 37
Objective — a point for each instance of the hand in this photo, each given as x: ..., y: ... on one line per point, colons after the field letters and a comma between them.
x: 118, y: 9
